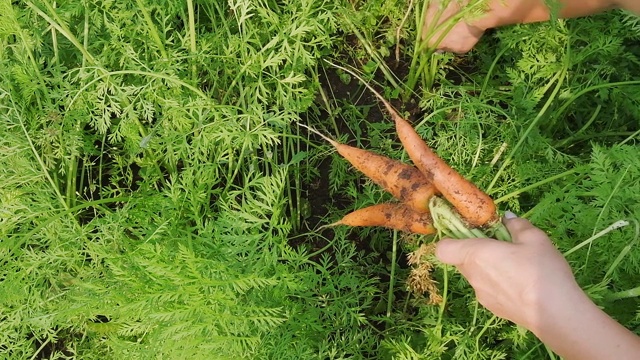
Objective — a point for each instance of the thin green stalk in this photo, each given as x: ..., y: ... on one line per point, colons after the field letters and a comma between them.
x: 43, y: 167
x: 221, y: 19
x: 192, y: 39
x: 484, y: 329
x: 447, y: 221
x: 626, y: 250
x: 490, y: 71
x: 381, y: 63
x: 500, y: 232
x: 625, y: 294
x: 559, y: 77
x: 431, y: 75
x: 413, y: 78
x: 394, y: 254
x: 443, y: 303
x: 294, y: 209
x: 37, y: 353
x: 413, y: 71
x: 71, y: 181
x: 62, y: 28
x: 297, y: 177
x: 630, y: 137
x: 552, y: 356
x: 616, y: 225
x: 605, y: 134
x: 32, y: 60
x: 526, y: 356
x: 593, y: 117
x: 399, y: 30
x: 84, y: 172
x: 152, y: 29
x: 327, y: 104
x: 477, y: 233
x: 601, y: 213
x: 569, y: 101
x: 462, y: 106
x: 608, y: 201
x: 85, y: 37
x: 476, y: 158
x: 450, y: 23
x: 474, y: 320
x: 537, y: 184
x: 236, y: 80
x: 54, y: 41
x: 421, y: 45
x: 231, y: 174
x: 323, y: 249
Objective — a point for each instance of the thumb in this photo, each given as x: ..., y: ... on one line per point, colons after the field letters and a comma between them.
x: 453, y: 252
x: 523, y: 231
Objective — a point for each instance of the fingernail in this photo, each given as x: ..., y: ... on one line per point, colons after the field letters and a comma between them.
x: 509, y: 215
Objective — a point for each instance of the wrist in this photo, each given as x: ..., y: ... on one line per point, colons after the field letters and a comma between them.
x: 629, y: 5
x: 575, y: 328
x: 559, y: 310
x: 509, y: 12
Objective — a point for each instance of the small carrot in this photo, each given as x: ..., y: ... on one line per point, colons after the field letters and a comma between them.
x: 391, y: 216
x: 476, y: 207
x: 403, y: 181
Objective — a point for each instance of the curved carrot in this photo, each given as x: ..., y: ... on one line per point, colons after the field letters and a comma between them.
x: 391, y: 216
x: 475, y: 206
x: 401, y: 180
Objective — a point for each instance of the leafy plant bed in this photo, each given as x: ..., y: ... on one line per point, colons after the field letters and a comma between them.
x: 158, y: 199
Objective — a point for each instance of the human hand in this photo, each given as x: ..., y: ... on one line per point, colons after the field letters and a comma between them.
x: 460, y: 39
x: 526, y: 281
x: 464, y: 35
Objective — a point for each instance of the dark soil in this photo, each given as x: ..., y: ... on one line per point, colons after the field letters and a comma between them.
x: 56, y: 348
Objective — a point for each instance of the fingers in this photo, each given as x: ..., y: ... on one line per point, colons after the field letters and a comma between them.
x: 459, y: 40
x: 459, y: 252
x: 456, y: 252
x: 448, y: 251
x: 522, y: 231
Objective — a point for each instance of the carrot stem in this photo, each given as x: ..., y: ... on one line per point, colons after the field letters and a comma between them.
x: 384, y: 101
x: 326, y: 138
x: 500, y: 232
x: 394, y: 255
x: 446, y: 220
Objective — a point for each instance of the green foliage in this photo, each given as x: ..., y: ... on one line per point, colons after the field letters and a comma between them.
x: 149, y: 188
x: 158, y: 201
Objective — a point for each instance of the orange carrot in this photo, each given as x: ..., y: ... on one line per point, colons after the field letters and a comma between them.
x: 476, y: 207
x: 473, y: 204
x: 401, y: 180
x: 391, y: 216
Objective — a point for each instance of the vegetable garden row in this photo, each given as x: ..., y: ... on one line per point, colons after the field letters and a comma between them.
x: 176, y: 176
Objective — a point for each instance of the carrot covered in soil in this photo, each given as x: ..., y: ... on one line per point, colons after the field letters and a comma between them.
x: 475, y: 206
x: 405, y: 182
x: 392, y: 216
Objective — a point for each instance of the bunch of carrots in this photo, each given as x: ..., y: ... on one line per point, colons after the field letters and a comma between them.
x: 432, y: 196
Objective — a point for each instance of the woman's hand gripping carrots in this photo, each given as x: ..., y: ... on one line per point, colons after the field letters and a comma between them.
x: 418, y: 187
